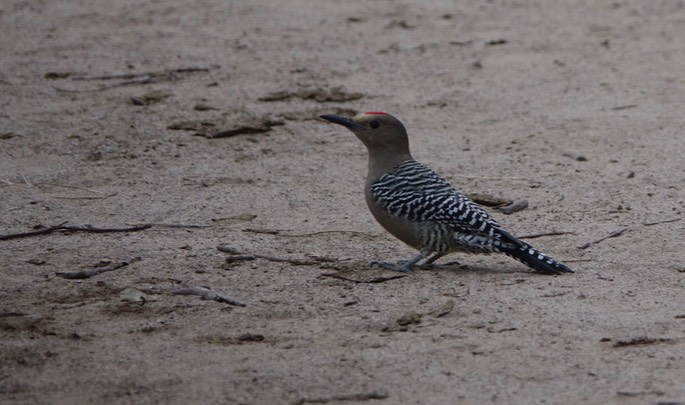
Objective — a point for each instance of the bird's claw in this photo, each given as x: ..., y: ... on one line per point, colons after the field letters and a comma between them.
x: 400, y: 266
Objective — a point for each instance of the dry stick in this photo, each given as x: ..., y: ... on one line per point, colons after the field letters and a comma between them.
x: 667, y: 221
x: 85, y: 197
x: 99, y: 196
x: 32, y: 233
x: 80, y: 275
x: 105, y: 230
x: 25, y: 181
x: 296, y: 262
x: 621, y: 231
x: 62, y: 227
x: 380, y: 394
x: 208, y: 294
x: 304, y: 235
x: 130, y: 76
x: 266, y: 231
x: 611, y: 235
x: 67, y: 186
x: 128, y: 79
x: 237, y: 257
x: 163, y: 225
x: 540, y: 235
x: 623, y: 107
x: 466, y: 176
x: 9, y: 183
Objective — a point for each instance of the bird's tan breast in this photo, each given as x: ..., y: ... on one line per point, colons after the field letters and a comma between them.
x: 403, y: 229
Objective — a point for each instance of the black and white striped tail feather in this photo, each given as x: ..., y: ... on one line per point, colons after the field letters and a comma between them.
x: 536, y: 260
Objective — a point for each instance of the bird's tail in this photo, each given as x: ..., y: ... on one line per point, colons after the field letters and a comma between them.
x: 535, y: 259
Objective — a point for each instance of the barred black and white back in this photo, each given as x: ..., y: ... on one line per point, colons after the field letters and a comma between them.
x: 448, y: 220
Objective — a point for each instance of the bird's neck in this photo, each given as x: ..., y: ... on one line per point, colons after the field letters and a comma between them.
x: 383, y: 161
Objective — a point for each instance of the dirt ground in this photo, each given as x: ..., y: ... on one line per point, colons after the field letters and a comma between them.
x: 200, y: 119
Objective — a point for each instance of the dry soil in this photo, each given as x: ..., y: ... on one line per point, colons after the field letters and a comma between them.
x: 200, y: 118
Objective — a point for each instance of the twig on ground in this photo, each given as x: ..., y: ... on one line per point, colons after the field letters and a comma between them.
x: 240, y: 258
x: 540, y: 235
x: 70, y: 228
x: 466, y: 176
x: 361, y: 273
x: 163, y: 225
x: 623, y: 107
x: 366, y: 396
x: 611, y: 235
x: 305, y: 235
x: 667, y: 221
x: 99, y: 195
x: 91, y: 229
x: 643, y: 340
x: 128, y: 79
x: 32, y: 233
x: 80, y: 275
x: 237, y: 256
x: 25, y: 181
x: 9, y: 183
x: 207, y: 294
x: 141, y: 76
x: 267, y: 231
x: 68, y: 186
x: 577, y: 260
x: 85, y: 197
x: 296, y: 262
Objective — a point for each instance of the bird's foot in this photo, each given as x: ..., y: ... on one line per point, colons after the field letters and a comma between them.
x: 453, y: 263
x: 403, y: 266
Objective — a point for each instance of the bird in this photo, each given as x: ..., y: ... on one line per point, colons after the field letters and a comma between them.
x: 420, y: 208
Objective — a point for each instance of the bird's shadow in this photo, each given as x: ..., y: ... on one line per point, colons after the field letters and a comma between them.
x: 364, y: 272
x: 460, y: 268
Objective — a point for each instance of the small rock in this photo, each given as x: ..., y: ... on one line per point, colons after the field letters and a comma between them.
x: 409, y: 318
x: 575, y: 156
x: 443, y: 310
x: 131, y: 294
x: 57, y: 75
x: 251, y: 337
x: 204, y: 107
x: 36, y: 262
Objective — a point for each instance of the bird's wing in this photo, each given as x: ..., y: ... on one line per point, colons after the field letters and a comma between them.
x: 415, y: 192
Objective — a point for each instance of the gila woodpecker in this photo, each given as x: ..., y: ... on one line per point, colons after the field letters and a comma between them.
x: 423, y: 210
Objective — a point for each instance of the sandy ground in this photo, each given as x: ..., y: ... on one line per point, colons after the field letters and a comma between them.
x: 108, y: 114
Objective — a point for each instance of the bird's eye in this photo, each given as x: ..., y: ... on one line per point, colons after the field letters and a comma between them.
x: 374, y: 124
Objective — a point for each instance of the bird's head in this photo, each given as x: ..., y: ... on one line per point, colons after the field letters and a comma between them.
x: 380, y: 132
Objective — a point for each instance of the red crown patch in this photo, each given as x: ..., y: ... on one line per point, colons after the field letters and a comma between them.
x: 376, y: 113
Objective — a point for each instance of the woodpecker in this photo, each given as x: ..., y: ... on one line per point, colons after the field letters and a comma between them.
x: 422, y: 209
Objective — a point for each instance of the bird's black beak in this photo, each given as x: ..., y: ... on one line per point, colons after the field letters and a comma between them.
x: 344, y: 121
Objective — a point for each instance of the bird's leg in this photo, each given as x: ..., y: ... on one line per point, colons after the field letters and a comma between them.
x: 429, y: 262
x: 404, y: 266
